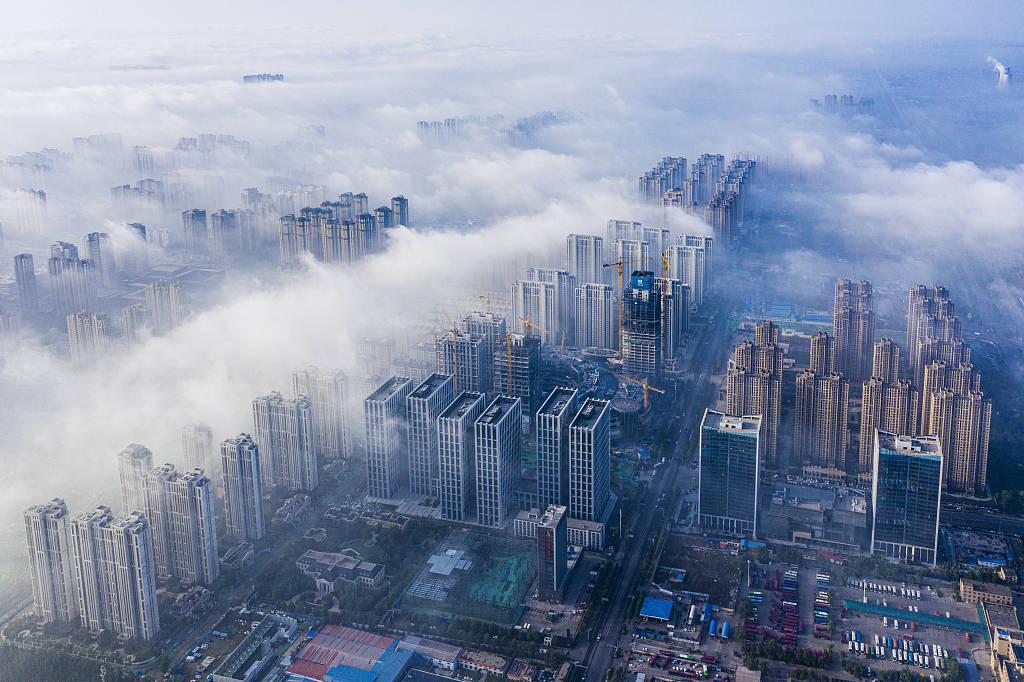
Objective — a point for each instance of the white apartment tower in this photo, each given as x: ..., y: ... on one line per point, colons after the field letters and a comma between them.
x: 180, y: 511
x: 50, y: 562
x: 243, y: 487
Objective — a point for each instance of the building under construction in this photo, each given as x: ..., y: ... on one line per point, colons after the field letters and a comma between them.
x: 517, y: 370
x: 642, y: 339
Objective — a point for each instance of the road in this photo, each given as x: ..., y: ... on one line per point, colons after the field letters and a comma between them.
x: 983, y: 520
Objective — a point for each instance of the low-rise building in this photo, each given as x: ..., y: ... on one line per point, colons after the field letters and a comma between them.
x: 482, y: 661
x: 586, y: 534
x: 239, y: 556
x: 347, y: 565
x: 438, y: 654
x: 254, y: 653
x: 293, y: 510
x: 974, y: 592
x: 521, y: 671
x: 192, y: 602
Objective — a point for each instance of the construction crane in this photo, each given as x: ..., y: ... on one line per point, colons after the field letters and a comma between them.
x: 647, y: 387
x: 489, y: 298
x: 525, y: 328
x: 561, y: 349
x: 455, y: 349
x: 619, y: 263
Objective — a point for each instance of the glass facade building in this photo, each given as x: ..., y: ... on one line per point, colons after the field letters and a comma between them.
x: 729, y: 473
x: 906, y: 492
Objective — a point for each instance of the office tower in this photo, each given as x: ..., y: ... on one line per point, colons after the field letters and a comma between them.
x: 284, y: 434
x: 243, y: 488
x: 562, y: 322
x: 197, y: 447
x: 133, y: 257
x: 400, y: 210
x: 632, y: 251
x: 197, y: 238
x: 729, y: 472
x: 88, y: 336
x: 50, y: 562
x: 595, y: 316
x: 101, y: 257
x: 134, y: 319
x: 179, y: 508
x: 886, y: 406
x: 425, y: 404
x: 590, y: 461
x: 498, y: 456
x: 820, y: 418
x: 622, y: 229
x: 164, y: 301
x: 25, y: 277
x: 668, y: 174
x: 688, y: 264
x: 457, y: 454
x: 885, y: 363
x: 642, y: 342
x: 132, y: 463
x: 538, y: 303
x: 962, y: 420
x: 464, y: 356
x: 489, y: 328
x: 754, y: 385
x: 552, y: 552
x: 553, y: 419
x: 71, y: 285
x: 326, y: 392
x: 225, y: 240
x: 853, y: 324
x: 823, y: 353
x: 115, y: 574
x: 384, y: 411
x: 706, y: 244
x: 584, y: 257
x: 517, y: 369
x: 906, y: 492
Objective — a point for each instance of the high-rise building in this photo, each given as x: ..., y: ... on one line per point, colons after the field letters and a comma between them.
x: 400, y: 211
x: 642, y: 339
x: 553, y: 419
x: 50, y: 562
x: 25, y: 278
x: 133, y: 257
x: 516, y: 369
x: 552, y: 553
x: 197, y: 239
x: 689, y: 265
x: 71, y: 283
x: 464, y: 356
x: 489, y: 327
x: 729, y: 472
x: 590, y: 461
x: 88, y: 336
x: 706, y: 244
x: 754, y: 385
x: 562, y: 323
x: 455, y: 484
x: 962, y: 423
x: 457, y: 455
x: 197, y: 447
x: 134, y: 319
x: 594, y: 315
x: 632, y: 251
x: 284, y: 434
x: 164, y: 301
x: 885, y: 362
x: 823, y: 353
x: 668, y: 174
x: 101, y: 257
x: 498, y: 458
x: 243, y: 488
x: 225, y: 238
x: 425, y: 404
x: 386, y: 430
x: 584, y: 257
x: 658, y: 239
x: 906, y: 494
x: 932, y: 316
x: 622, y: 229
x: 892, y: 407
x: 326, y: 392
x: 115, y: 574
x: 538, y: 303
x: 133, y: 463
x: 179, y: 507
x: 675, y: 312
x: 820, y: 419
x: 853, y: 324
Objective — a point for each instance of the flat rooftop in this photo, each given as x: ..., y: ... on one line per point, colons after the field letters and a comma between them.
x: 557, y: 401
x: 924, y: 446
x: 430, y: 385
x: 497, y: 410
x: 552, y: 516
x: 589, y: 413
x: 388, y: 388
x: 463, y: 404
x: 749, y: 424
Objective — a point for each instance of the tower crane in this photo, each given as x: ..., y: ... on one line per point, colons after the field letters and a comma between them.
x: 525, y: 328
x: 646, y: 386
x: 455, y: 349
